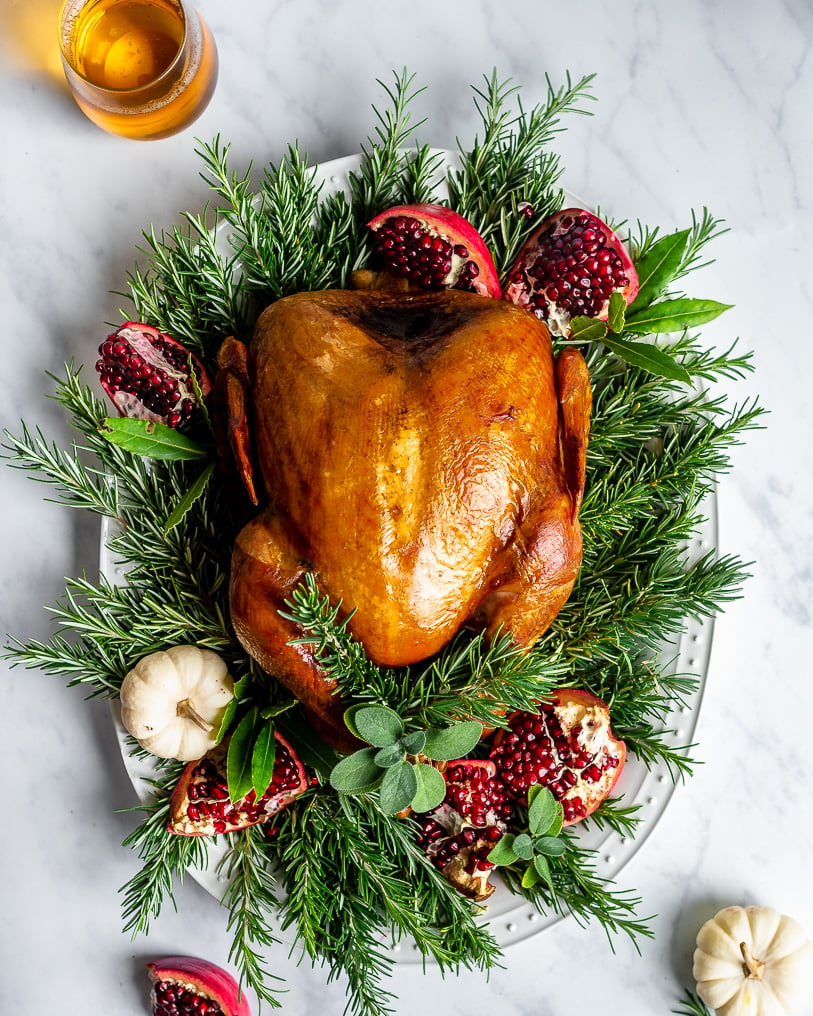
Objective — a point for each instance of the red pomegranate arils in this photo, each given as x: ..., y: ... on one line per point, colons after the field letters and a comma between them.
x: 459, y: 834
x: 568, y: 747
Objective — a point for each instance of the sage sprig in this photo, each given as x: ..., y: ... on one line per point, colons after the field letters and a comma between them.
x: 545, y: 821
x: 397, y: 763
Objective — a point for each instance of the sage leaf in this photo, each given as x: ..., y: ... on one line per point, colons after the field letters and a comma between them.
x: 238, y: 759
x: 674, y: 315
x: 189, y: 498
x: 558, y: 822
x: 398, y: 788
x: 551, y: 846
x: 414, y: 742
x: 350, y: 721
x: 542, y: 868
x: 356, y: 773
x: 650, y: 358
x: 541, y: 810
x: 587, y: 329
x: 263, y: 757
x: 530, y: 877
x: 390, y: 755
x: 151, y: 440
x: 453, y: 742
x: 503, y: 852
x: 431, y: 787
x: 377, y: 725
x: 524, y: 846
x: 658, y: 267
x: 616, y: 312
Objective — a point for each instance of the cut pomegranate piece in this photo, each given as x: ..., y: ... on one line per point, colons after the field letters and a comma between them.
x: 570, y: 266
x: 147, y: 376
x: 435, y: 248
x: 200, y: 804
x: 459, y: 834
x: 185, y: 986
x: 568, y: 747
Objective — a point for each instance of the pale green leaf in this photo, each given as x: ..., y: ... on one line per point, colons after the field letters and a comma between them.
x: 551, y: 846
x: 444, y: 745
x: 356, y: 773
x: 524, y: 847
x: 530, y: 877
x: 541, y: 810
x: 398, y: 788
x: 390, y: 755
x: 414, y: 742
x: 431, y: 787
x: 542, y: 868
x: 377, y: 725
x: 503, y: 852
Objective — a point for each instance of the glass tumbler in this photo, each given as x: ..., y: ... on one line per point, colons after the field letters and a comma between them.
x: 142, y: 69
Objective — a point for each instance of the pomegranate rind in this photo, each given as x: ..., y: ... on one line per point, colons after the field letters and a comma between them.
x: 204, y: 978
x: 141, y: 337
x: 523, y: 290
x: 586, y: 718
x: 449, y: 225
x: 245, y: 812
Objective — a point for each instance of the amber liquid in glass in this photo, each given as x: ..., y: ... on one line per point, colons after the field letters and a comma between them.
x: 140, y: 68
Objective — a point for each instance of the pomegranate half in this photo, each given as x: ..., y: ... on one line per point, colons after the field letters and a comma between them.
x: 147, y: 375
x: 200, y: 804
x: 434, y: 247
x: 570, y: 266
x: 568, y: 747
x: 186, y: 986
x: 458, y: 835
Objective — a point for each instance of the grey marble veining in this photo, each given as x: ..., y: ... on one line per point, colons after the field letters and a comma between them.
x: 699, y: 104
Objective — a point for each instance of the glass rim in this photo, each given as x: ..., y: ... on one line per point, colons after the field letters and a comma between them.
x: 64, y: 37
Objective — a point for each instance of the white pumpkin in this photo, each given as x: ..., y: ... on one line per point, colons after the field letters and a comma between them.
x: 753, y: 961
x: 173, y: 701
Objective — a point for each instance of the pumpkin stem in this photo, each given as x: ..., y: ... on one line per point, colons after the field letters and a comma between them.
x: 188, y: 711
x: 752, y: 967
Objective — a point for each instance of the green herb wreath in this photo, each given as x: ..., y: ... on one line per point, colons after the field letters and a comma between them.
x: 351, y: 874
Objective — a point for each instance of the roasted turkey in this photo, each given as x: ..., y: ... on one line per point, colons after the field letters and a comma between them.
x: 423, y: 455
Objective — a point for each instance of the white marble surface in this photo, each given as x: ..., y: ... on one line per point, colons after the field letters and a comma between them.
x: 702, y: 102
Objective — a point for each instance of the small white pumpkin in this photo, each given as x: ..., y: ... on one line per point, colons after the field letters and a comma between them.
x: 173, y: 701
x: 753, y: 961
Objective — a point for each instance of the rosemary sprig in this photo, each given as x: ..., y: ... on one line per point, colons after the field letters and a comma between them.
x: 512, y: 166
x: 692, y: 1005
x: 252, y: 901
x: 166, y: 859
x: 577, y: 890
x: 355, y: 879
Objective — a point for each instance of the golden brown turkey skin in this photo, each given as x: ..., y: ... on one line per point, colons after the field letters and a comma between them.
x: 424, y: 456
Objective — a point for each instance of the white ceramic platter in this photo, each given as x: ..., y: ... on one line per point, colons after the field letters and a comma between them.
x: 511, y: 918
